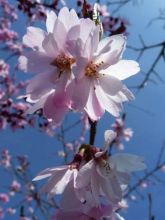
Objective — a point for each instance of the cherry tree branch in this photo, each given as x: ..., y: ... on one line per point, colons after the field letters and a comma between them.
x: 155, y: 62
x: 93, y: 127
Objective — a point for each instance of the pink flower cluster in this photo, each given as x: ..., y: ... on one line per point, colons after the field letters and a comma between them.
x: 122, y: 132
x: 76, y: 70
x: 12, y: 112
x: 5, y: 159
x: 8, y: 36
x: 92, y: 177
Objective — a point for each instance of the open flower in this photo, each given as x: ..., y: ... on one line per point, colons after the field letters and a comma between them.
x: 105, y: 176
x: 49, y: 57
x: 99, y: 71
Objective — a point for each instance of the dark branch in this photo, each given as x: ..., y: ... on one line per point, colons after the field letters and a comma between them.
x: 92, y: 131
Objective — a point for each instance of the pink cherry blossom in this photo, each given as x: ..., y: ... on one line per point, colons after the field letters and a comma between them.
x: 4, y: 68
x: 51, y: 59
x: 5, y: 159
x: 99, y: 71
x: 49, y: 56
x: 105, y: 176
x: 4, y: 197
x: 11, y: 211
x: 122, y: 133
x: 15, y: 186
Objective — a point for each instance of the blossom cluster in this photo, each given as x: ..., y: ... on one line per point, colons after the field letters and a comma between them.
x: 79, y: 70
x: 8, y: 36
x: 122, y: 132
x: 18, y: 195
x: 92, y: 177
x: 76, y: 69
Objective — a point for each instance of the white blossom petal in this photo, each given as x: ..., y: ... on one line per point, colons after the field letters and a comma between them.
x: 39, y: 103
x: 68, y: 18
x: 93, y: 107
x: 34, y: 38
x: 127, y: 162
x: 80, y: 94
x: 123, y: 69
x: 35, y: 62
x: 40, y: 85
x: 50, y: 21
x: 107, y: 102
x: 117, y: 47
x: 62, y: 183
x: 84, y: 175
x: 49, y: 171
x: 111, y: 85
x: 50, y: 46
x: 111, y: 189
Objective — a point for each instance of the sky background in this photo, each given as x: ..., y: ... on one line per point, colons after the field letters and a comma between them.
x: 145, y: 115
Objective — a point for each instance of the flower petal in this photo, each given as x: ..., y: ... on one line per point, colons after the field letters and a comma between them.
x: 84, y: 175
x: 110, y: 84
x: 62, y: 183
x: 103, y: 46
x: 127, y: 93
x: 48, y: 172
x: 40, y: 85
x: 68, y: 18
x: 60, y: 34
x: 93, y: 107
x: 86, y: 28
x: 80, y: 94
x: 35, y: 62
x: 127, y: 162
x: 116, y: 48
x: 50, y: 21
x: 34, y: 37
x: 123, y: 69
x: 56, y: 106
x: 50, y: 46
x: 70, y: 203
x: 95, y: 186
x: 124, y: 178
x: 79, y: 68
x: 39, y: 104
x: 111, y: 188
x: 107, y: 102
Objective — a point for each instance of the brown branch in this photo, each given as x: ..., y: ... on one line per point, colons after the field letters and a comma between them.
x: 161, y: 54
x: 147, y: 175
x: 92, y: 131
x: 150, y: 217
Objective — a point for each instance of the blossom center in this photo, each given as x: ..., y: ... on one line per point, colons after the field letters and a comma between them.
x: 92, y: 70
x: 63, y: 62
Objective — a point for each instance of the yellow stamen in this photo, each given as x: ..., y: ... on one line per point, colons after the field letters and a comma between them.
x: 63, y: 63
x: 92, y: 69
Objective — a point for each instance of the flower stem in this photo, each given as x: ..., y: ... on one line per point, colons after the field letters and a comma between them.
x: 93, y: 128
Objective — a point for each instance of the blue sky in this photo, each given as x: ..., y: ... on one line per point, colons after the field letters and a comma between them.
x: 148, y: 124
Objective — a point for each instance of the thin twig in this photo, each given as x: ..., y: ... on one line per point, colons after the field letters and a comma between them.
x: 92, y: 132
x: 147, y: 175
